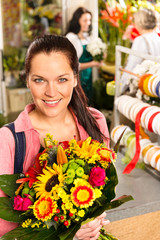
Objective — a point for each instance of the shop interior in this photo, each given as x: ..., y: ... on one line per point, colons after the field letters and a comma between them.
x: 22, y: 20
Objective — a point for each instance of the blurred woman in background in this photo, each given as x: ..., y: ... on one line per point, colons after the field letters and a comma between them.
x: 78, y: 32
x: 148, y: 42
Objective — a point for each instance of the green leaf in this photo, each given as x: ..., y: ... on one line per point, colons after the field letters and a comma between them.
x: 70, y: 232
x: 31, y: 234
x: 8, y: 184
x: 7, y: 212
x: 114, y: 204
x: 109, y: 189
x: 101, y: 200
x: 116, y: 146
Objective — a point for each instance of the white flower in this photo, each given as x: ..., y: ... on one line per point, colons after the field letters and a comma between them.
x: 96, y: 48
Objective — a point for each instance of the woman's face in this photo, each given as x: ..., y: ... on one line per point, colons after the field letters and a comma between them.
x: 51, y: 81
x: 85, y: 22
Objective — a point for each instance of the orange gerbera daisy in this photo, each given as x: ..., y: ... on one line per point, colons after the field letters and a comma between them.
x: 44, y: 208
x: 82, y: 196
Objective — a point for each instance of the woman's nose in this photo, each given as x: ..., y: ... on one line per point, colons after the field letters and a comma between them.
x: 51, y: 90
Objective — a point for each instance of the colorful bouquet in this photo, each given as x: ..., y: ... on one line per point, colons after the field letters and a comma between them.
x: 69, y: 184
x: 97, y: 49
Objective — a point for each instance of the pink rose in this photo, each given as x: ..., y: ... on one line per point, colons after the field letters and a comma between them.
x: 26, y: 203
x: 22, y: 204
x: 97, y: 176
x: 18, y: 202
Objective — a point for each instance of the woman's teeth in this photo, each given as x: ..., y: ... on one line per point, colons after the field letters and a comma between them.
x: 52, y: 102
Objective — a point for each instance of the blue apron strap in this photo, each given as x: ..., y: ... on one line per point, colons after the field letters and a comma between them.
x: 20, y: 148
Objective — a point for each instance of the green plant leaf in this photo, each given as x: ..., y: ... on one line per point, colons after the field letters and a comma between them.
x: 114, y: 204
x: 116, y: 146
x: 20, y: 233
x: 109, y: 189
x: 8, y: 184
x: 7, y: 212
x: 70, y: 232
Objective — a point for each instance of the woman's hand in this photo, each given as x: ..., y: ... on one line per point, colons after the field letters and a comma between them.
x: 97, y: 64
x: 90, y: 230
x: 103, y: 219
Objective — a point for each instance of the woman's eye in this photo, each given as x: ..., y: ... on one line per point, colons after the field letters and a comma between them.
x: 38, y: 80
x: 62, y: 80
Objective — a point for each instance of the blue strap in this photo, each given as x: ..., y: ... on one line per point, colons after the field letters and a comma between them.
x: 20, y: 148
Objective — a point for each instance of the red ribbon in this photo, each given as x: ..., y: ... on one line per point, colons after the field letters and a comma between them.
x: 151, y: 121
x: 134, y: 160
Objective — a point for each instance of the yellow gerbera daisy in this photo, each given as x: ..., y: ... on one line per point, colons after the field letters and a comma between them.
x: 49, y: 182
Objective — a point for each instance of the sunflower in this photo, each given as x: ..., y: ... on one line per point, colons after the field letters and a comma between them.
x: 49, y: 182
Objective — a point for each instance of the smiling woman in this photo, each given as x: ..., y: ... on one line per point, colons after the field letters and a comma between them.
x: 78, y: 32
x: 60, y: 109
x: 51, y: 88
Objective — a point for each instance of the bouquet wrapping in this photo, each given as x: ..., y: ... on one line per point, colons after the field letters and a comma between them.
x: 97, y: 49
x: 69, y: 184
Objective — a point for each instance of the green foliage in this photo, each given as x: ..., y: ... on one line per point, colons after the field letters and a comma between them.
x: 8, y: 184
x: 31, y: 234
x: 109, y: 188
x: 7, y: 212
x: 114, y: 204
x: 13, y: 58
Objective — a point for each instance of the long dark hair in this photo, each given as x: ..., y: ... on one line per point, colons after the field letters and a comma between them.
x: 78, y: 103
x: 74, y: 25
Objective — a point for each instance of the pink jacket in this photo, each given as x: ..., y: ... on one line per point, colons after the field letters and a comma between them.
x: 7, y: 149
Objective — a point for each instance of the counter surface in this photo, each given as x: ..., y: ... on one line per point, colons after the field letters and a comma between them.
x: 144, y: 188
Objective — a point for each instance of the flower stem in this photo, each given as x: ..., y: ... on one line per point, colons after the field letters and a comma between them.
x: 106, y: 236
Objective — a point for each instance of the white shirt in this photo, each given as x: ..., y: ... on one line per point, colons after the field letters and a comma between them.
x: 77, y: 43
x: 148, y: 43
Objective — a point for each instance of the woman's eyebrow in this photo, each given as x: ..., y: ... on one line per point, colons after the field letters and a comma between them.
x: 35, y: 75
x: 64, y: 74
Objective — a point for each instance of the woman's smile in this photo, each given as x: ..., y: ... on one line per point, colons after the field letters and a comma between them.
x: 52, y: 103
